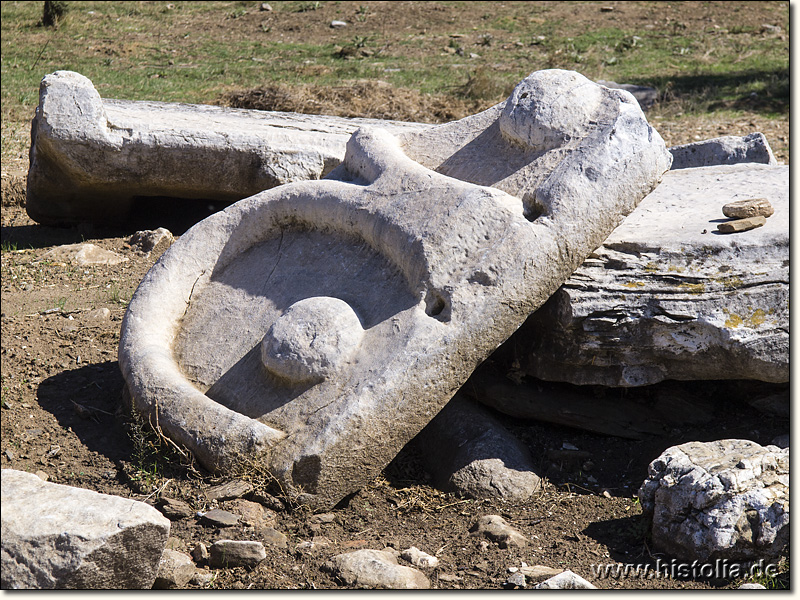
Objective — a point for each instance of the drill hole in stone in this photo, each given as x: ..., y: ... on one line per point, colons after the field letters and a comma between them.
x: 436, y: 306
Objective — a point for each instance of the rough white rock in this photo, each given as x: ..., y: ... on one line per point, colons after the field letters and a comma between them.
x: 90, y: 157
x: 60, y: 537
x: 666, y: 297
x: 466, y: 450
x: 719, y: 500
x: 439, y: 271
x: 418, y: 558
x: 565, y: 581
x: 727, y: 150
x: 377, y: 569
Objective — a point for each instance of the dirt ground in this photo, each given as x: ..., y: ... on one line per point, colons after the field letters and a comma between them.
x: 62, y: 391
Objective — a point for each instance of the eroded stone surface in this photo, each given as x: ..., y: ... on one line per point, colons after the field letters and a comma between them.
x: 428, y: 250
x: 377, y: 569
x: 726, y: 150
x: 719, y: 500
x: 90, y: 157
x: 667, y: 297
x: 59, y: 537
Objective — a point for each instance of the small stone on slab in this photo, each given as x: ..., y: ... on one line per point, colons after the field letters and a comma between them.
x: 742, y: 209
x: 740, y: 225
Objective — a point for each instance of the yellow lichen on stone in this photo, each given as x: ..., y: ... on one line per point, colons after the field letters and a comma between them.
x: 757, y: 318
x: 733, y: 321
x: 633, y: 284
x: 693, y: 288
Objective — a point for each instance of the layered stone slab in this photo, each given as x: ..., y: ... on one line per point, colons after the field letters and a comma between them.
x: 667, y: 296
x: 317, y: 327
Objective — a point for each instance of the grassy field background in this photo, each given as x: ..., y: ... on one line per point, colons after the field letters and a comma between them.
x: 729, y: 60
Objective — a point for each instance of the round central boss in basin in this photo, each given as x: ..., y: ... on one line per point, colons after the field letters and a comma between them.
x: 312, y: 339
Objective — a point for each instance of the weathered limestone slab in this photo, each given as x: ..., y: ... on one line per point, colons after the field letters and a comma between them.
x: 719, y: 500
x: 726, y: 150
x: 60, y: 537
x: 319, y: 326
x: 667, y: 297
x: 90, y: 157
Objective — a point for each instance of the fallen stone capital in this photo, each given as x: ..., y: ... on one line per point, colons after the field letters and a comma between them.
x: 317, y: 327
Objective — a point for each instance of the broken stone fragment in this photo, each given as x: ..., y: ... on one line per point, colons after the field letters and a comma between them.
x: 740, y: 225
x: 82, y: 255
x: 235, y: 553
x: 743, y: 209
x: 357, y: 305
x: 466, y: 450
x: 147, y: 241
x: 229, y: 490
x: 175, y: 570
x: 736, y: 493
x: 726, y: 150
x: 60, y: 537
x: 376, y: 569
x: 497, y: 529
x: 175, y: 509
x: 565, y: 581
x: 220, y: 518
x: 539, y: 572
x: 418, y: 558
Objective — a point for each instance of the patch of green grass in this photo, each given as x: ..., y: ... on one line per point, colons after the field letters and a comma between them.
x: 144, y: 51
